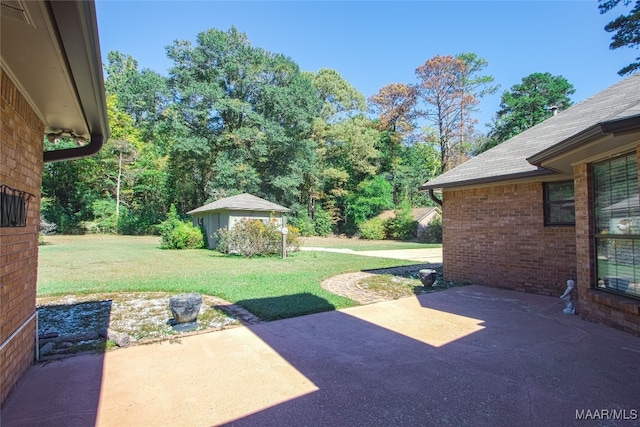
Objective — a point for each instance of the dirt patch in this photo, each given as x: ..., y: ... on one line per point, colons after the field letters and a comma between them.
x: 77, y: 323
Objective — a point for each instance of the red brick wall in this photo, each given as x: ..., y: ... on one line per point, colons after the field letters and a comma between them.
x: 21, y: 138
x: 496, y: 236
x: 614, y: 310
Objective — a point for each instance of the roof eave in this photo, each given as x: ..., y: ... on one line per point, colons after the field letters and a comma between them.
x: 487, y: 180
x: 590, y: 134
x: 78, y: 31
x: 283, y: 210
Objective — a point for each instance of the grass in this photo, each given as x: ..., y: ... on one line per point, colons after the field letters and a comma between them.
x: 270, y: 287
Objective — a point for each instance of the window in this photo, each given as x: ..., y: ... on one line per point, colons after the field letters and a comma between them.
x: 13, y: 207
x: 559, y: 203
x: 617, y: 222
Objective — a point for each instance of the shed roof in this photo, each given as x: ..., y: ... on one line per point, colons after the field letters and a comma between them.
x: 241, y: 202
x: 509, y: 159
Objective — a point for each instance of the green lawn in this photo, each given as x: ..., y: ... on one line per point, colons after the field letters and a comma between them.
x: 271, y: 288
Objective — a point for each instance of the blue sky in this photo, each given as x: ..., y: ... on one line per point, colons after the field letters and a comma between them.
x: 375, y: 43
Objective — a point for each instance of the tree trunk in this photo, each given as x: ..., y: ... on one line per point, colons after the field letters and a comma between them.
x: 118, y: 181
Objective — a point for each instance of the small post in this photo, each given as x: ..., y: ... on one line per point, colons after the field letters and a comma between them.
x: 285, y: 231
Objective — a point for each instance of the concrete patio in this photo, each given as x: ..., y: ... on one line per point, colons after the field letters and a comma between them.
x: 468, y: 356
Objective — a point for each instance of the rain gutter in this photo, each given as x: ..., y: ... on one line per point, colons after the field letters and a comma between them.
x: 78, y: 32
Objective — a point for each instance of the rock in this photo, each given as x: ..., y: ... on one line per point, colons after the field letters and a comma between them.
x: 47, y: 348
x: 119, y: 338
x: 185, y: 307
x: 427, y: 277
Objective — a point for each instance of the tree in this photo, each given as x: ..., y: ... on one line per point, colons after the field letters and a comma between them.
x: 528, y: 103
x: 395, y: 104
x: 450, y: 89
x: 143, y: 95
x: 340, y: 99
x: 370, y: 198
x: 242, y: 121
x: 344, y: 141
x: 625, y: 29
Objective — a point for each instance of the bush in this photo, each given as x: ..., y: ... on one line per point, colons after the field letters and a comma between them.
x: 251, y: 237
x: 434, y: 231
x: 304, y: 224
x: 402, y: 226
x: 373, y: 229
x: 177, y: 234
x: 322, y: 223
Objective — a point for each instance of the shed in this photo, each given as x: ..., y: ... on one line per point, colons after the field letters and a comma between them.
x: 225, y: 213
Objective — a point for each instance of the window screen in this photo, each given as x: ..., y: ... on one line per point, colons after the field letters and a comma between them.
x: 617, y: 222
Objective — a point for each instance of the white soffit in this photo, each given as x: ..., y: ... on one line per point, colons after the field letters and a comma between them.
x: 32, y: 56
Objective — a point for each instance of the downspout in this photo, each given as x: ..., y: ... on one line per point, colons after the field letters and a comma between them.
x: 433, y: 198
x: 94, y: 145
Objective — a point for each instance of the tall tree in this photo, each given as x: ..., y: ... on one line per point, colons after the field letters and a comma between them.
x: 625, y: 29
x: 344, y: 140
x: 340, y: 99
x: 120, y: 153
x: 242, y: 120
x: 143, y: 95
x: 450, y: 89
x: 529, y: 103
x: 395, y: 104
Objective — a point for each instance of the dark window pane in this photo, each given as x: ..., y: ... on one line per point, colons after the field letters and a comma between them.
x: 559, y: 203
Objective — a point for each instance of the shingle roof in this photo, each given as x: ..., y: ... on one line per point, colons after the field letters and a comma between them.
x: 509, y: 159
x: 241, y: 202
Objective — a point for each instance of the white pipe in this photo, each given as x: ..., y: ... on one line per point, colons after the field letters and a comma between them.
x: 37, y: 338
x: 17, y: 331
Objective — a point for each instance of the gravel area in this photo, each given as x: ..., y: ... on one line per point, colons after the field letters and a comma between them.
x: 76, y: 323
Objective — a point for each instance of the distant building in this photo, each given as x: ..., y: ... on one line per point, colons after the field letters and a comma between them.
x: 225, y: 213
x: 423, y: 216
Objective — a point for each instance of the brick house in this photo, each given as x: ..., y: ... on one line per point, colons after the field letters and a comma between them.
x: 50, y: 85
x: 556, y: 202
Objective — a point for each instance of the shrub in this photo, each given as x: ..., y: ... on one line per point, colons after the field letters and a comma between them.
x: 177, y: 234
x: 251, y: 237
x: 373, y: 229
x: 434, y: 231
x: 402, y: 226
x: 304, y: 224
x: 322, y: 223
